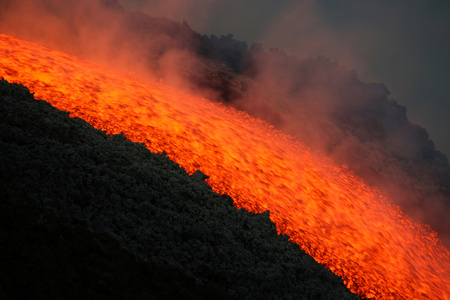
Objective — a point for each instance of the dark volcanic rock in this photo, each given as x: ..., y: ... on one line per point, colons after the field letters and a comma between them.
x: 86, y: 215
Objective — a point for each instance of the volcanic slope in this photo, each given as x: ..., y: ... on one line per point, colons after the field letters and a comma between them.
x: 72, y: 195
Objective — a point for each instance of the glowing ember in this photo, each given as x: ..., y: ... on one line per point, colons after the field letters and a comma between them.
x: 345, y: 225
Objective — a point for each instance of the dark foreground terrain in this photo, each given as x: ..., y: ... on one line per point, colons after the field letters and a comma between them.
x: 84, y: 215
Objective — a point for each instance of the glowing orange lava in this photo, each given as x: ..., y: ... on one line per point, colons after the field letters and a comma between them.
x: 344, y: 224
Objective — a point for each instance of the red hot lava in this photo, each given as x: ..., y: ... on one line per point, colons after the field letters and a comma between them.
x: 345, y: 225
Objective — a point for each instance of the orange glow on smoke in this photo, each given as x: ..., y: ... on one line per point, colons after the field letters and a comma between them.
x: 344, y: 224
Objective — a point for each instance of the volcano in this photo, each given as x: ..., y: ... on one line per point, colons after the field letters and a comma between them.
x: 320, y: 102
x: 344, y: 224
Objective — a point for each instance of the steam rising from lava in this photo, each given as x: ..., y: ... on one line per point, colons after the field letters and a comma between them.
x: 344, y: 224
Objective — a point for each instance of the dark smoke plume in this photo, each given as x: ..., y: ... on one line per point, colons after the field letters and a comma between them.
x: 323, y: 104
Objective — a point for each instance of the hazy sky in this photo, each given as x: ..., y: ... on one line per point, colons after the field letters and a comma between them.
x: 403, y: 43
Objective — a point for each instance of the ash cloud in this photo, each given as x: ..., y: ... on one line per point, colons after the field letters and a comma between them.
x: 403, y: 44
x: 320, y: 102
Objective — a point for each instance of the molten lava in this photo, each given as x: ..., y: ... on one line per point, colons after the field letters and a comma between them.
x: 344, y: 224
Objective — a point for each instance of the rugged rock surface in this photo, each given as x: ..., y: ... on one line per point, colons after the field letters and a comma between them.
x: 86, y: 215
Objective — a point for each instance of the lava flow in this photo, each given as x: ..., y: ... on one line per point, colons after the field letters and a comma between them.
x: 344, y: 224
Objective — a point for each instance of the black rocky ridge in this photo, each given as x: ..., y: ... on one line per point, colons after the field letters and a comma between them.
x: 87, y: 215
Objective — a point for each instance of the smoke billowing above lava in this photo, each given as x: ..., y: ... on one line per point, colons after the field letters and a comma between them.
x: 403, y: 44
x: 320, y: 102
